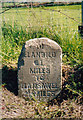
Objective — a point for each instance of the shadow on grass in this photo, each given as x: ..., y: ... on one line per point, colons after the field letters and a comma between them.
x: 75, y: 80
x: 9, y: 78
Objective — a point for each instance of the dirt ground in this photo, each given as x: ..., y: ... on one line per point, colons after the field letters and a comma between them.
x: 66, y: 105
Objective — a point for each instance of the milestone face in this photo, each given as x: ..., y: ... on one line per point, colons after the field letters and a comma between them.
x: 39, y: 69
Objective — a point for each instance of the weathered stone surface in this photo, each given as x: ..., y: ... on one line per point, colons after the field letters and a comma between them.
x: 39, y: 69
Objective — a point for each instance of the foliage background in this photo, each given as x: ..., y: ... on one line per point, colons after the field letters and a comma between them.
x: 22, y: 24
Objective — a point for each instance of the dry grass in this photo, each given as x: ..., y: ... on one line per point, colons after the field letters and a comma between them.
x: 66, y: 105
x: 15, y: 107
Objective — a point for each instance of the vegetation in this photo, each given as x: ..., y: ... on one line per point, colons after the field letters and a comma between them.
x: 18, y: 108
x: 25, y: 24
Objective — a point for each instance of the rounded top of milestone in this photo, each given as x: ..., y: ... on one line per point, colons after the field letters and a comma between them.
x: 39, y: 69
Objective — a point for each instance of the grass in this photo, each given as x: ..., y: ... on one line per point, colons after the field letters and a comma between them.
x: 70, y: 109
x: 14, y: 38
x: 26, y: 23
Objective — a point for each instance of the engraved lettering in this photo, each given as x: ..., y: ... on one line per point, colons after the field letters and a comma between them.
x: 53, y: 54
x: 41, y: 62
x: 48, y: 93
x: 43, y: 70
x: 47, y: 70
x: 39, y: 70
x: 54, y: 85
x: 42, y: 77
x: 44, y: 93
x: 49, y: 54
x: 41, y: 54
x: 38, y: 54
x: 25, y: 85
x: 38, y: 93
x: 41, y: 93
x: 31, y: 70
x: 44, y: 85
x: 40, y: 85
x: 40, y: 46
x: 34, y: 85
x: 21, y: 85
x: 33, y: 54
x: 36, y: 62
x: 36, y: 70
x: 37, y: 78
x: 29, y: 86
x: 28, y: 54
x: 53, y: 93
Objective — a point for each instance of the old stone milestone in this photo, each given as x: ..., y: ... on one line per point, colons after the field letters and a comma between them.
x: 39, y: 69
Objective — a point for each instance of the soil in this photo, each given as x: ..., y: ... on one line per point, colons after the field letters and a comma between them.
x: 66, y: 105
